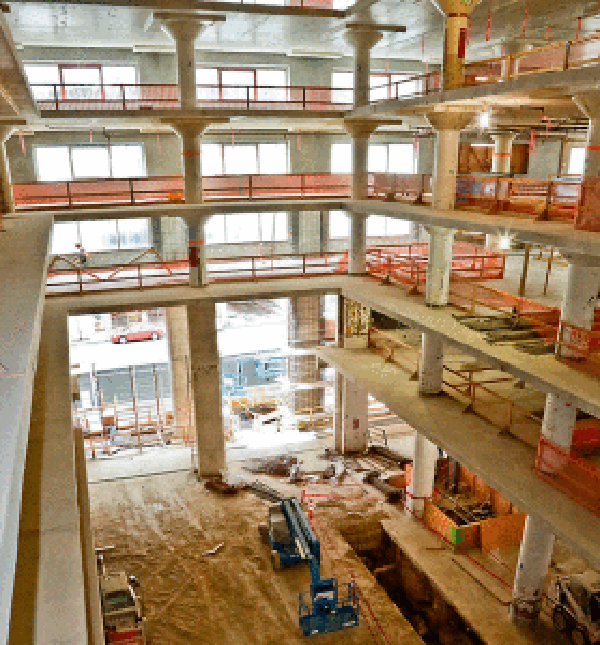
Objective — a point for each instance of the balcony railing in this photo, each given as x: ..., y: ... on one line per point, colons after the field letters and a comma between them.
x: 556, y: 56
x: 123, y: 97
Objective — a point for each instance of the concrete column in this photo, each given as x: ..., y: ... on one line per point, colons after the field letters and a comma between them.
x: 502, y: 151
x: 6, y: 197
x: 455, y: 39
x: 560, y: 414
x: 324, y: 231
x: 360, y: 131
x: 49, y: 600
x: 445, y: 165
x: 422, y: 476
x: 294, y: 224
x: 431, y: 365
x: 355, y: 406
x: 509, y: 65
x: 95, y: 623
x: 534, y: 561
x: 439, y: 265
x: 357, y: 254
x: 206, y: 386
x: 340, y: 322
x: 580, y: 297
x: 362, y: 36
x: 184, y: 27
x: 338, y: 412
x: 179, y: 354
x: 197, y: 252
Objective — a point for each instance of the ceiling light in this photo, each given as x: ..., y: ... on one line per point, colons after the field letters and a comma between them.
x: 484, y: 119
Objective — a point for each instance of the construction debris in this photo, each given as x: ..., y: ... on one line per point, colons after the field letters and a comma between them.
x: 218, y: 485
x: 214, y: 550
x: 264, y: 492
x: 280, y: 465
x: 392, y: 495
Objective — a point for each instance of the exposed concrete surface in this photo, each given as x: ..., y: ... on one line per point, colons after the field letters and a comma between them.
x: 504, y: 463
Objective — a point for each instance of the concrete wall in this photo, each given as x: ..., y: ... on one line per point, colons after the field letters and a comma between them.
x: 544, y: 158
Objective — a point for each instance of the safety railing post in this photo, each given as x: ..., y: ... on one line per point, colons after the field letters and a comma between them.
x: 131, y: 195
x: 69, y: 197
x: 80, y: 279
x: 123, y: 96
x: 303, y: 264
x: 303, y: 98
x: 56, y: 96
x: 247, y: 97
x: 253, y: 269
x: 139, y: 266
x: 249, y: 186
x: 302, y: 186
x: 567, y: 55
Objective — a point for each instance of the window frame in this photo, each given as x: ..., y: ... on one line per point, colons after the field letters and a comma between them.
x: 250, y: 68
x: 119, y: 246
x: 256, y: 146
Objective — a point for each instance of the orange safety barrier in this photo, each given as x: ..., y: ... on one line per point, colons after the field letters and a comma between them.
x: 575, y: 477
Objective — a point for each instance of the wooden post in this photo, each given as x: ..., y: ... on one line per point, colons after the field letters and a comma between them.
x: 525, y: 269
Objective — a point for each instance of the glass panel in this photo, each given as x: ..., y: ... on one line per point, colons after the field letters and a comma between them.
x: 397, y: 226
x: 207, y: 76
x: 339, y: 224
x: 118, y: 75
x: 379, y: 87
x: 238, y: 78
x: 376, y: 226
x: 42, y: 74
x: 90, y: 162
x: 242, y: 227
x: 402, y: 158
x: 134, y: 233
x: 99, y: 235
x: 214, y: 229
x: 406, y: 88
x: 64, y: 238
x: 577, y: 161
x: 128, y: 160
x: 266, y: 79
x: 273, y: 227
x: 341, y: 158
x: 272, y: 158
x: 343, y: 80
x: 87, y: 77
x: 52, y: 163
x: 212, y: 159
x: 377, y: 160
x: 240, y: 160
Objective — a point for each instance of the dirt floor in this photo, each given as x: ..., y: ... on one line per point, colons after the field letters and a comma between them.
x: 161, y: 526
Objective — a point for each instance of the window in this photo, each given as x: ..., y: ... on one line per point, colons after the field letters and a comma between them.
x: 100, y: 235
x: 339, y: 224
x: 342, y: 84
x: 577, y: 161
x: 238, y: 228
x: 244, y: 159
x: 64, y: 163
x: 382, y: 86
x: 232, y: 84
x: 383, y: 157
x: 80, y: 81
x: 380, y: 226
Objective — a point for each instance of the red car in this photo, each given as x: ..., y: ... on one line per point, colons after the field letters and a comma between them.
x: 129, y: 336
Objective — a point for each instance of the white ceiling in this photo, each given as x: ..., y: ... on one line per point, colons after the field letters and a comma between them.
x: 86, y: 25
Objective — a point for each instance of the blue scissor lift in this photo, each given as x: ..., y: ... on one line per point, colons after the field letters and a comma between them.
x: 293, y: 540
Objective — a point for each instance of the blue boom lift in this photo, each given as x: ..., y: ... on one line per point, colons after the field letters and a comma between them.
x: 293, y: 540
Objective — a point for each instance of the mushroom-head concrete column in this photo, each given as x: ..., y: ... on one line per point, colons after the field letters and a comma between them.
x: 422, y: 475
x: 357, y: 255
x: 502, y: 151
x: 439, y: 265
x: 532, y: 569
x: 455, y: 38
x: 355, y: 410
x: 360, y: 130
x: 362, y: 38
x: 509, y: 64
x: 184, y: 27
x: 588, y: 217
x: 431, y: 365
x: 448, y: 126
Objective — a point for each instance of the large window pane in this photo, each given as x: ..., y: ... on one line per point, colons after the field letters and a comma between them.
x: 240, y: 160
x: 134, y: 233
x: 402, y: 87
x: 207, y: 76
x: 341, y: 158
x: 267, y: 81
x: 377, y: 159
x: 42, y: 74
x: 99, y: 235
x: 128, y: 161
x: 339, y: 224
x: 64, y: 238
x: 242, y: 227
x: 272, y: 158
x: 90, y: 162
x: 118, y: 75
x: 86, y: 81
x: 214, y: 229
x: 402, y: 158
x: 397, y: 226
x: 212, y: 159
x: 379, y: 87
x: 238, y: 78
x: 376, y: 226
x: 273, y: 227
x: 577, y: 161
x: 342, y: 84
x: 52, y: 163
